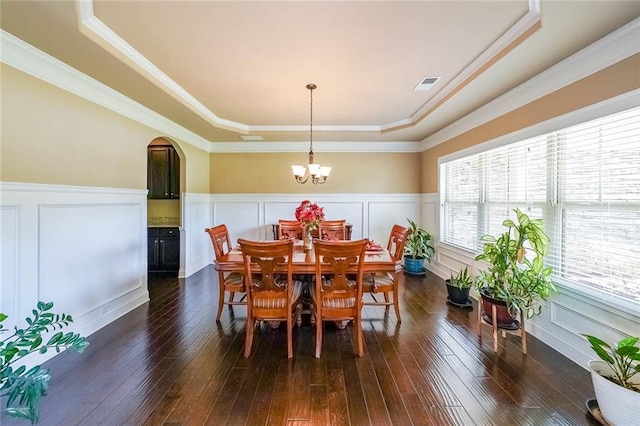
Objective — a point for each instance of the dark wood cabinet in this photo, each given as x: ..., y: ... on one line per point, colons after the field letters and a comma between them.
x: 163, y: 249
x: 163, y: 172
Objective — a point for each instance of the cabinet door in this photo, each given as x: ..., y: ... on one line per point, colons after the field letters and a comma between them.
x: 158, y: 171
x: 174, y: 174
x: 169, y: 249
x: 153, y: 247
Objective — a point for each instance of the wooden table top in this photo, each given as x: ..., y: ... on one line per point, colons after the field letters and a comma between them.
x: 304, y: 261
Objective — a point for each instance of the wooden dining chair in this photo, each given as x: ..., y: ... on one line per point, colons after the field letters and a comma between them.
x: 332, y: 230
x: 290, y: 230
x: 336, y: 296
x: 387, y: 283
x: 231, y: 282
x: 271, y: 295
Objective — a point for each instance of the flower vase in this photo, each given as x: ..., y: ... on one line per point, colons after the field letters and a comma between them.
x: 307, y: 239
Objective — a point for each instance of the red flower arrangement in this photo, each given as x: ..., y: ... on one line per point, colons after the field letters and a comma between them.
x: 310, y: 214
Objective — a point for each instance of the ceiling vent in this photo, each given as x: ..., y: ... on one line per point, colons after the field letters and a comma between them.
x: 250, y: 138
x: 426, y: 83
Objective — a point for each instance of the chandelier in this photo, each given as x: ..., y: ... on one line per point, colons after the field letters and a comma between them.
x: 317, y: 173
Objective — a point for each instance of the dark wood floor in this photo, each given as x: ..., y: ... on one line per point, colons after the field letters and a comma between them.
x: 169, y: 363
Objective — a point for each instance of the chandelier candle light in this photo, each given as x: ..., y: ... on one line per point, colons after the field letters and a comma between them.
x: 317, y: 173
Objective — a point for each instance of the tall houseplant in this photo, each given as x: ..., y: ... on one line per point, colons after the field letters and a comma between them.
x: 417, y: 249
x: 614, y: 379
x: 23, y: 387
x: 516, y: 278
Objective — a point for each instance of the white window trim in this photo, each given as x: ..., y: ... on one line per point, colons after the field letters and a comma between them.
x: 610, y: 106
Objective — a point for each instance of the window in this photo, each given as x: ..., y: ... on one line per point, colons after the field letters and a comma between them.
x: 584, y: 181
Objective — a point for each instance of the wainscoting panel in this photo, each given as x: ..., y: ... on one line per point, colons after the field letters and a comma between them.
x: 242, y: 219
x: 372, y: 215
x: 382, y: 215
x: 252, y: 215
x: 75, y: 269
x: 82, y: 248
x: 276, y: 210
x: 9, y: 224
x: 195, y: 245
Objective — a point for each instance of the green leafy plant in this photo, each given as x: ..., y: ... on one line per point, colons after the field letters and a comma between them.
x: 623, y: 358
x: 418, y: 244
x: 23, y: 387
x: 461, y: 279
x: 522, y: 281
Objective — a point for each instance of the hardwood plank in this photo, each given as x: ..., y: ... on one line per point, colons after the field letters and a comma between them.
x: 169, y: 363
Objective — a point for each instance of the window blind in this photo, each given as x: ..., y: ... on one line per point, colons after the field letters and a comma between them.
x: 584, y: 181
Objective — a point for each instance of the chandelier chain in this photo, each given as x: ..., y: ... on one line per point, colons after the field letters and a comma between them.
x: 311, y: 122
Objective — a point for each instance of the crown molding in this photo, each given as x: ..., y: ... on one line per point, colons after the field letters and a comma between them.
x: 28, y: 59
x: 611, y: 49
x: 101, y: 34
x: 605, y: 52
x: 521, y: 30
x: 238, y: 147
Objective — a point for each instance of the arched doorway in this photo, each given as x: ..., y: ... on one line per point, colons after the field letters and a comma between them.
x: 165, y: 180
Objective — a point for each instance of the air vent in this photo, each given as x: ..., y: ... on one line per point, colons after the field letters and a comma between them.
x: 252, y: 138
x: 426, y: 83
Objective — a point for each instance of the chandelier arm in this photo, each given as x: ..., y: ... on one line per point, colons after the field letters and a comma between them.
x: 300, y: 180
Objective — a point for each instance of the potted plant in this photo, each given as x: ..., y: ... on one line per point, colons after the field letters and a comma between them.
x: 458, y: 287
x: 417, y: 249
x: 516, y: 280
x: 614, y: 379
x: 25, y: 387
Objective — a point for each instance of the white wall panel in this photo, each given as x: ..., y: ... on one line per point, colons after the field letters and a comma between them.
x: 371, y: 215
x: 352, y: 212
x: 89, y: 254
x: 9, y: 227
x: 275, y: 210
x: 82, y: 248
x: 242, y: 219
x: 195, y: 245
x: 383, y: 214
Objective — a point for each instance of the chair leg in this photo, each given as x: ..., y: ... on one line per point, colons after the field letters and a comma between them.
x: 396, y: 302
x: 248, y: 338
x: 359, y: 342
x: 220, y: 297
x: 231, y: 295
x: 319, y: 325
x: 290, y: 337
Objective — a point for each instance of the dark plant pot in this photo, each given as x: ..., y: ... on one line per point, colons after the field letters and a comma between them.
x: 504, y: 318
x: 457, y: 296
x: 412, y: 265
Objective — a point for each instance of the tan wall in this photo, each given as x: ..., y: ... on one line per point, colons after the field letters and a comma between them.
x: 612, y: 81
x: 51, y: 136
x: 350, y: 173
x: 194, y: 168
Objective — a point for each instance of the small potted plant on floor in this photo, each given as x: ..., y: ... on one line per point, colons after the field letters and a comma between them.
x: 458, y: 287
x: 23, y: 387
x: 614, y: 378
x: 417, y: 249
x: 516, y: 279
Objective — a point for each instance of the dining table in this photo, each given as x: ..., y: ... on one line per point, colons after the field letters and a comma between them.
x: 377, y: 260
